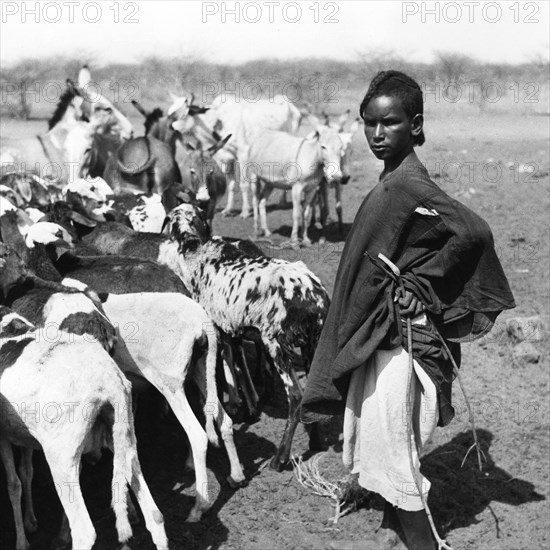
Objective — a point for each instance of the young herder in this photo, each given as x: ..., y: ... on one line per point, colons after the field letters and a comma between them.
x: 452, y: 279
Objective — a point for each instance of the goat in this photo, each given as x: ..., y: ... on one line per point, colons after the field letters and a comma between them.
x: 171, y: 329
x: 119, y: 274
x: 113, y: 273
x: 54, y: 309
x: 97, y: 201
x: 164, y: 360
x: 59, y: 373
x: 285, y: 301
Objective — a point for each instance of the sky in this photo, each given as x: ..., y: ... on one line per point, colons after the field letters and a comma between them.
x: 233, y: 32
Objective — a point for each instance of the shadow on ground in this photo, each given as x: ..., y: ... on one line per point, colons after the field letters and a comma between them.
x: 459, y: 494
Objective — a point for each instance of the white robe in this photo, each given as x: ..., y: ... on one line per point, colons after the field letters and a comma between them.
x: 375, y: 426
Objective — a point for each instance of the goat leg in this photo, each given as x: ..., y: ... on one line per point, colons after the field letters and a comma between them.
x: 14, y: 492
x: 234, y: 400
x: 241, y: 380
x: 248, y: 378
x: 281, y: 458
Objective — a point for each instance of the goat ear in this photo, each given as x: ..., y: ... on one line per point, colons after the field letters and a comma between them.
x: 103, y: 296
x: 201, y: 226
x: 16, y: 327
x: 164, y: 224
x: 186, y: 196
x: 82, y: 220
x: 24, y: 188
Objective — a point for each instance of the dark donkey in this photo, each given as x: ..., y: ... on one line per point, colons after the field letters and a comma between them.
x: 200, y: 173
x: 145, y: 164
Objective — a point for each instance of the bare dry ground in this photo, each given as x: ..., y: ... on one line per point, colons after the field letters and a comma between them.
x: 504, y: 507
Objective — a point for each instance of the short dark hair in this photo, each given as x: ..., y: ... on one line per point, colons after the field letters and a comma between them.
x: 397, y: 84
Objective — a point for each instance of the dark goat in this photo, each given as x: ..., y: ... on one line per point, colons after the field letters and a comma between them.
x: 114, y: 274
x: 45, y: 302
x: 120, y: 275
x: 29, y: 189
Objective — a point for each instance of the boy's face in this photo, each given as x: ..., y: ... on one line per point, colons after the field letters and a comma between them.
x: 388, y: 130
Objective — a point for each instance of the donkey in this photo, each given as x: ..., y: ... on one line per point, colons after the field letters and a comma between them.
x: 147, y: 164
x: 202, y: 174
x: 280, y: 160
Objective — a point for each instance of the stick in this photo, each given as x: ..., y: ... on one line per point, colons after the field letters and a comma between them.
x: 441, y: 543
x: 470, y: 413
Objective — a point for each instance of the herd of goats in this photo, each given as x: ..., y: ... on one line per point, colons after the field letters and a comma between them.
x: 111, y: 281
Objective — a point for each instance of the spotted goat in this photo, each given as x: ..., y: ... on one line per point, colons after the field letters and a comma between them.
x: 283, y: 300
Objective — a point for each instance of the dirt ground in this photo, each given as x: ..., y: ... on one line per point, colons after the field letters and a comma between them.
x: 482, y: 160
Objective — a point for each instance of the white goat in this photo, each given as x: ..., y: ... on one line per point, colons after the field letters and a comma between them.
x: 85, y: 401
x: 163, y: 330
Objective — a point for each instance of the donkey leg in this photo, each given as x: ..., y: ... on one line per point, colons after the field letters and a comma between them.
x: 230, y: 198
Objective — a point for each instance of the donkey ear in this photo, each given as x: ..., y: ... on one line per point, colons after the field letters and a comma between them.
x: 354, y: 126
x: 342, y: 119
x: 84, y: 77
x: 139, y: 107
x: 219, y: 144
x: 314, y: 121
x: 313, y: 135
x: 196, y: 110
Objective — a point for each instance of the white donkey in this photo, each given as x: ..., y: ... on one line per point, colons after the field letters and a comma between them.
x: 283, y: 161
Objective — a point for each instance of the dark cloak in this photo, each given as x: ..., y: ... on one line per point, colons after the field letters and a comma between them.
x: 447, y: 259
